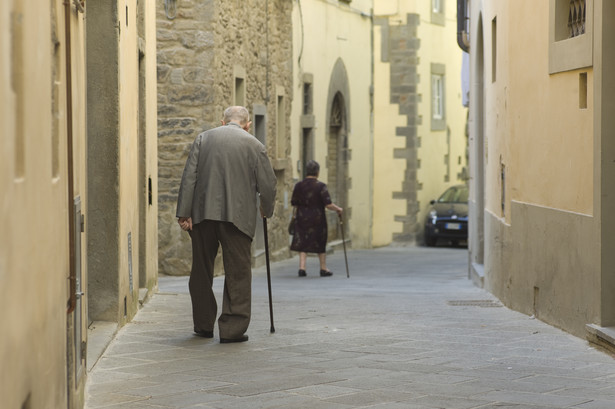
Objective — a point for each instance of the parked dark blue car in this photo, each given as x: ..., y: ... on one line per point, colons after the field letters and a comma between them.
x: 448, y: 217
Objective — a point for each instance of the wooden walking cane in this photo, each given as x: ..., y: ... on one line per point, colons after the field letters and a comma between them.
x: 344, y: 243
x: 272, y: 329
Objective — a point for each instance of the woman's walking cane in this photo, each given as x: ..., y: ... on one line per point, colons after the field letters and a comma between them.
x: 344, y: 243
x: 272, y: 330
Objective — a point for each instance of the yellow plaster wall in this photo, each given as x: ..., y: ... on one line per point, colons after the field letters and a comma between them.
x: 437, y: 45
x: 539, y: 132
x: 388, y: 171
x: 324, y: 32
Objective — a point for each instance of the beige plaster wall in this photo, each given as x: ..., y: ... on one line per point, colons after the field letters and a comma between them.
x: 604, y: 122
x: 534, y: 126
x: 34, y: 249
x: 555, y: 283
x: 150, y: 149
x: 76, y: 382
x: 541, y: 249
x: 324, y: 33
x: 128, y: 99
x: 122, y: 157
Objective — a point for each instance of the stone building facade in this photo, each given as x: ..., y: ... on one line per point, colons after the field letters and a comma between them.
x: 212, y: 54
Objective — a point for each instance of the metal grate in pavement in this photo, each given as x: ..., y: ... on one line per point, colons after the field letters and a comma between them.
x: 474, y: 303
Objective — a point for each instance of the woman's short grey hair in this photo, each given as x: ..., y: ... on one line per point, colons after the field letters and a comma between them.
x: 312, y: 168
x: 236, y: 114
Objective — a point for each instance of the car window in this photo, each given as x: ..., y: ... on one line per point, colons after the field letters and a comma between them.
x: 455, y: 194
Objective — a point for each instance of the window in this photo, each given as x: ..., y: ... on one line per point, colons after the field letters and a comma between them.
x: 437, y: 90
x: 494, y: 48
x: 260, y: 123
x: 437, y: 12
x: 259, y: 128
x: 280, y: 124
x: 307, y: 123
x: 239, y: 87
x: 455, y: 194
x: 307, y: 148
x: 307, y: 98
x: 239, y: 91
x: 18, y: 85
x: 583, y: 90
x: 438, y: 97
x: 570, y: 35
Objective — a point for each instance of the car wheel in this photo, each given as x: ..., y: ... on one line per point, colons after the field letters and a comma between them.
x: 430, y: 241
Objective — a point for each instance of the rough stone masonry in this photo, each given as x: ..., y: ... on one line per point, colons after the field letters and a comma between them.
x: 205, y: 49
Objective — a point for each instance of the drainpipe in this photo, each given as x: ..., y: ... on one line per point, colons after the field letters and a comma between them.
x: 462, y: 17
x: 69, y: 139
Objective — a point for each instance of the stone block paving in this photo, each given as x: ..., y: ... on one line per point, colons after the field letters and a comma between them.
x: 408, y: 330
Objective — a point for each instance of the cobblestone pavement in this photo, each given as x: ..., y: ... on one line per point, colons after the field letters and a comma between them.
x: 407, y: 330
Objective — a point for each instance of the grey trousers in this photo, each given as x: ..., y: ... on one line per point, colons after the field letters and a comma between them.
x: 207, y: 236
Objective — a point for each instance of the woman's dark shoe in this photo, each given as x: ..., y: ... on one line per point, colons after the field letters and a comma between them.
x: 325, y: 273
x: 302, y: 273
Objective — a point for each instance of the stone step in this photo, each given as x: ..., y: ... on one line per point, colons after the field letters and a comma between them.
x: 603, y: 337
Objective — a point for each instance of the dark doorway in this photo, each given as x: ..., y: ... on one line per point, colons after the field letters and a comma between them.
x: 337, y: 162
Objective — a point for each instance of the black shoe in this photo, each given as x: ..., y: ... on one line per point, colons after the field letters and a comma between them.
x: 243, y: 338
x: 302, y: 273
x: 325, y: 273
x: 204, y: 334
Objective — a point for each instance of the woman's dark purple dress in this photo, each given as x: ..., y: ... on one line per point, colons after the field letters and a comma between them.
x: 310, y: 197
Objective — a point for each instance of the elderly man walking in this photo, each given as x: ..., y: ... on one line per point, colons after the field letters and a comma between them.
x: 226, y: 169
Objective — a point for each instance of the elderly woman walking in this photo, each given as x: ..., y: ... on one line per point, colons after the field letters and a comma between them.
x: 310, y: 198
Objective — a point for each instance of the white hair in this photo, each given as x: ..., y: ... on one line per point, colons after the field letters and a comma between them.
x: 236, y: 114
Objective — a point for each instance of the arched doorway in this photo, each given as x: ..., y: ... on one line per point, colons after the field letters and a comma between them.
x: 338, y: 155
x: 337, y: 161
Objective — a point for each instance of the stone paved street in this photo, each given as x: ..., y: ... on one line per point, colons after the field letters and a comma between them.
x: 408, y: 330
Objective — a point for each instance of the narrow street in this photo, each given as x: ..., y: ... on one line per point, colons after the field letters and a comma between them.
x: 406, y: 330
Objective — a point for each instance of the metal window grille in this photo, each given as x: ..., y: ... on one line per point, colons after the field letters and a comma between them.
x: 576, y: 18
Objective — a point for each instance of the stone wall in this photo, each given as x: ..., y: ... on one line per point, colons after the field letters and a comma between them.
x: 200, y: 52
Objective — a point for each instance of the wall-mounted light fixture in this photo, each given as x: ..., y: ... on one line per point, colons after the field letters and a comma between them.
x: 170, y: 8
x: 463, y: 26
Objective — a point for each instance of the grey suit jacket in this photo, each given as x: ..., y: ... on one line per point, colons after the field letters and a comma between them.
x: 226, y: 169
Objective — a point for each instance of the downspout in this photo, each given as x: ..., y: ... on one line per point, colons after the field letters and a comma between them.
x: 72, y: 302
x: 371, y: 127
x: 462, y: 34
